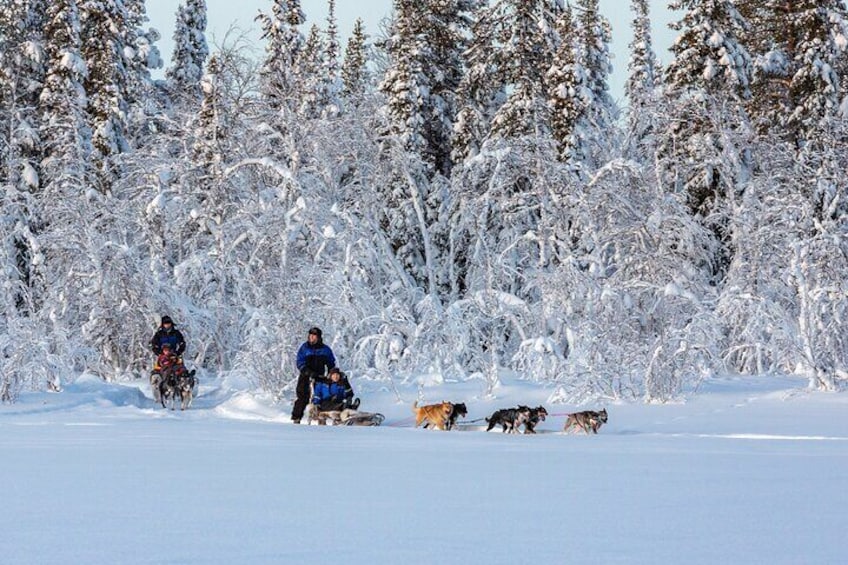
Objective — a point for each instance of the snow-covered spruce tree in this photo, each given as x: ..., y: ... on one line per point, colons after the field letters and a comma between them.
x: 283, y: 47
x: 479, y: 94
x: 190, y: 51
x: 21, y: 76
x: 642, y: 87
x: 525, y: 56
x: 447, y: 24
x: 141, y: 57
x: 708, y: 55
x: 594, y: 36
x: 407, y: 219
x: 353, y: 68
x: 105, y: 28
x: 330, y: 85
x: 311, y: 70
x: 425, y: 68
x: 568, y: 96
x: 62, y: 104
x: 796, y: 80
x: 815, y: 87
x: 702, y: 150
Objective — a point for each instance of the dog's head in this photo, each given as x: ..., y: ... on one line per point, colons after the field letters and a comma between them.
x: 602, y: 416
x: 539, y: 412
x: 460, y: 410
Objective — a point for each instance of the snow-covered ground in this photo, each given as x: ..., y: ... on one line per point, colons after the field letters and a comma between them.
x: 747, y: 471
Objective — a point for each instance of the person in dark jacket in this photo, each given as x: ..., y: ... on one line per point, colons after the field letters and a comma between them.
x: 314, y: 359
x: 168, y: 333
x: 333, y: 392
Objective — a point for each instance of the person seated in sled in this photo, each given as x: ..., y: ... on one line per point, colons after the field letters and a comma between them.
x: 168, y: 335
x: 168, y: 361
x: 333, y: 392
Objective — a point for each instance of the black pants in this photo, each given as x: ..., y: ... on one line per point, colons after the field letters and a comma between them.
x: 302, y: 395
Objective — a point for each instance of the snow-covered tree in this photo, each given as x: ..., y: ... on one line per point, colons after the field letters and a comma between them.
x: 642, y: 86
x: 21, y: 77
x: 633, y: 302
x: 815, y: 86
x: 478, y: 95
x: 785, y: 297
x: 105, y: 28
x: 446, y: 28
x: 524, y: 58
x: 405, y: 84
x: 311, y: 70
x: 798, y: 45
x: 62, y: 103
x: 355, y: 59
x: 594, y: 35
x: 568, y: 96
x: 283, y: 47
x: 703, y: 149
x: 708, y: 56
x: 331, y: 81
x: 141, y: 57
x: 190, y: 50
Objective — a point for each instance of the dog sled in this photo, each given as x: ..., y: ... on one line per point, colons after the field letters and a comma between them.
x: 332, y: 401
x: 342, y: 417
x: 363, y: 419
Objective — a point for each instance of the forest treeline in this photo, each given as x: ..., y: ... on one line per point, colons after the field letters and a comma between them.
x: 455, y: 196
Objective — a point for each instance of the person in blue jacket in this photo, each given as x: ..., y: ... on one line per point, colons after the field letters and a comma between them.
x: 314, y: 359
x: 333, y: 392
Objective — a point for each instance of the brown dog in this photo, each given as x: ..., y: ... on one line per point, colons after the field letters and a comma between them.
x: 588, y: 421
x: 435, y: 414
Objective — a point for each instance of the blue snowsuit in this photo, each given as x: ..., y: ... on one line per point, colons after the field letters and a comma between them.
x: 332, y: 396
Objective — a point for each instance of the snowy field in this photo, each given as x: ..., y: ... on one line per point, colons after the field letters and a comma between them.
x: 748, y: 471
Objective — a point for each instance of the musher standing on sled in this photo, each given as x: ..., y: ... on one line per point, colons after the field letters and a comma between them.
x: 314, y: 359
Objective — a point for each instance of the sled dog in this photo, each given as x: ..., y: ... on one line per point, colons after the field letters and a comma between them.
x: 510, y: 419
x: 185, y: 388
x: 168, y: 389
x: 588, y: 421
x: 536, y: 415
x: 436, y: 414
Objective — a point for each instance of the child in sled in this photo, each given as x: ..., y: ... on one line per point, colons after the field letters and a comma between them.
x: 168, y: 362
x: 333, y: 392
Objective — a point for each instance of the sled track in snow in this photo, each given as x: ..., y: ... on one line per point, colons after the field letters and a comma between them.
x: 734, y: 436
